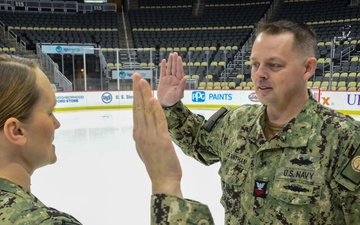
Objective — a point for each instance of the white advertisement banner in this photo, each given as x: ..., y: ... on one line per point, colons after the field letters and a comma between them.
x: 348, y: 102
x: 219, y: 97
x: 71, y: 99
x: 93, y: 99
x: 127, y: 74
x: 67, y: 49
x: 341, y: 100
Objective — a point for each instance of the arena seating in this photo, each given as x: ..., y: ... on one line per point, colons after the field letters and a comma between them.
x: 207, y: 40
x: 213, y: 38
x: 92, y: 27
x: 330, y: 19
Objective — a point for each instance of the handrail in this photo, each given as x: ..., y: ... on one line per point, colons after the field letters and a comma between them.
x: 3, y: 26
x: 13, y: 35
x: 47, y: 63
x: 23, y: 44
x: 126, y: 37
x: 346, y: 52
x: 56, y: 6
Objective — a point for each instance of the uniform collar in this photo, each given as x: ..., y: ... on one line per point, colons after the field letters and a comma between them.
x: 11, y: 187
x: 294, y: 135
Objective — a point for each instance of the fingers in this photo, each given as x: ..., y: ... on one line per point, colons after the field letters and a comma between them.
x: 159, y: 115
x: 137, y: 101
x: 174, y: 63
x: 163, y: 68
x: 179, y: 68
x: 173, y: 66
x: 148, y: 110
x: 169, y: 64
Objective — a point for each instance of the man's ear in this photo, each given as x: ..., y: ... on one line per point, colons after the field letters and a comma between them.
x: 310, y: 67
x: 14, y: 131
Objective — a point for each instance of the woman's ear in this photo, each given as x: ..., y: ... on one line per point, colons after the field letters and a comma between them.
x: 310, y: 67
x: 14, y: 131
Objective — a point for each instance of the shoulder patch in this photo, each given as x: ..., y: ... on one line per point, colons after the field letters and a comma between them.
x: 352, y: 169
x: 215, y: 117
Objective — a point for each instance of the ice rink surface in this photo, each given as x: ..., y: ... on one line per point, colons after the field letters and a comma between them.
x: 99, y: 178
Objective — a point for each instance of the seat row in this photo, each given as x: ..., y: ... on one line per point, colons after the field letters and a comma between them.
x: 339, y: 86
x: 342, y: 85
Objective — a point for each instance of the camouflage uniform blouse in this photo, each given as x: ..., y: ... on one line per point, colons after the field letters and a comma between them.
x: 18, y: 206
x: 168, y: 209
x: 308, y: 173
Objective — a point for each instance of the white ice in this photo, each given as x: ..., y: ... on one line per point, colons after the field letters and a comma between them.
x: 99, y: 178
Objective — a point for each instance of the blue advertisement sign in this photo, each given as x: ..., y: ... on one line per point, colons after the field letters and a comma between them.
x: 200, y: 96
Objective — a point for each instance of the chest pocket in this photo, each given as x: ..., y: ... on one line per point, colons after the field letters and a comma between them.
x: 299, y: 178
x: 295, y: 192
x: 234, y: 175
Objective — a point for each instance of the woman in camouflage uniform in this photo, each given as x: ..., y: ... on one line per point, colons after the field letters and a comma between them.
x: 27, y: 131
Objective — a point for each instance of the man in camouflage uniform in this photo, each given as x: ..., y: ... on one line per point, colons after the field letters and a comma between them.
x: 287, y: 161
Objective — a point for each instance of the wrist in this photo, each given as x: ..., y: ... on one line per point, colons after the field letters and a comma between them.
x: 167, y: 107
x: 169, y: 188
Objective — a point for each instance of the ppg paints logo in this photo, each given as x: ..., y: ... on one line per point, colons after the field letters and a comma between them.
x: 106, y: 97
x: 198, y: 96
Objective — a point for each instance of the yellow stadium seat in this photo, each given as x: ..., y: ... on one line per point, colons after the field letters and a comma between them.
x: 351, y: 84
x: 242, y: 84
x: 213, y: 63
x: 221, y: 63
x: 224, y: 84
x: 351, y: 89
x: 202, y: 84
x: 144, y: 64
x: 195, y: 76
x: 232, y: 85
x: 341, y: 84
x: 210, y: 85
x: 325, y: 84
x: 250, y: 84
x: 209, y: 77
x: 316, y: 84
x: 240, y: 76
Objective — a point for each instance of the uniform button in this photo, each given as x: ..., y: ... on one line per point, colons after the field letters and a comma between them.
x: 203, y: 222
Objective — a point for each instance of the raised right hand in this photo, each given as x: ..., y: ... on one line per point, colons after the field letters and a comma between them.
x: 172, y: 81
x: 153, y: 142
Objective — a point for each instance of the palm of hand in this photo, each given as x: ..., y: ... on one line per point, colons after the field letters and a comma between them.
x: 170, y: 90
